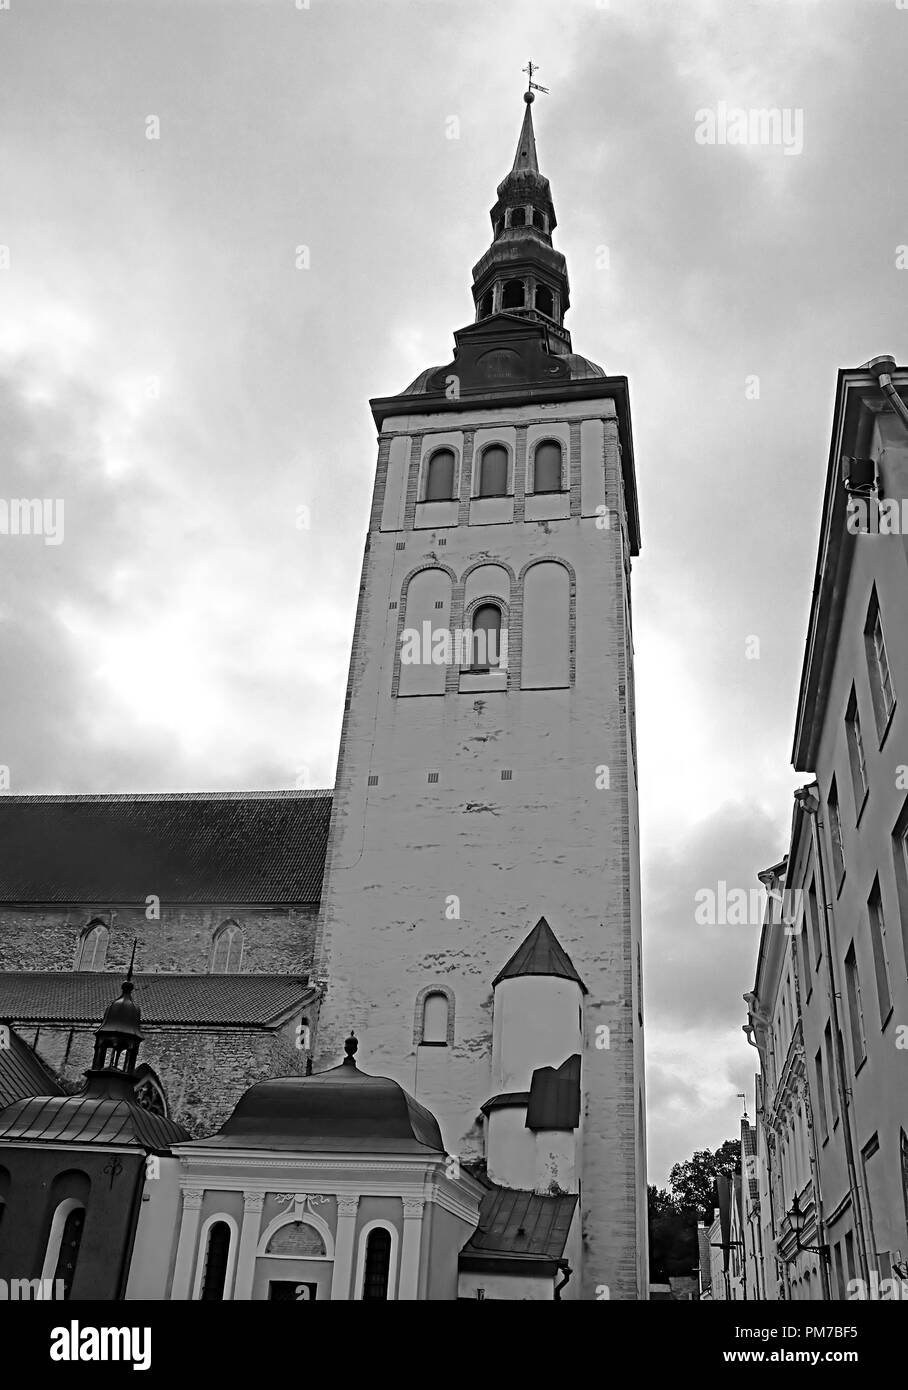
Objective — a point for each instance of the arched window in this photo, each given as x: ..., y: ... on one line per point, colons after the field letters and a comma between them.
x: 546, y: 654
x: 547, y: 467
x: 63, y: 1243
x: 427, y: 602
x: 493, y: 471
x: 485, y: 305
x: 538, y: 219
x: 216, y: 1257
x: 518, y: 217
x: 378, y: 1265
x: 93, y: 946
x: 440, y: 476
x: 513, y: 295
x: 545, y: 300
x: 149, y: 1092
x: 227, y: 950
x: 486, y: 644
x: 435, y: 1019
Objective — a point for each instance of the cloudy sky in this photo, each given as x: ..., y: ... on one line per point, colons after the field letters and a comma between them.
x: 169, y: 371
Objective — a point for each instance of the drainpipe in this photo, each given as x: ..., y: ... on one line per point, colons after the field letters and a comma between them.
x: 809, y: 802
x: 880, y: 367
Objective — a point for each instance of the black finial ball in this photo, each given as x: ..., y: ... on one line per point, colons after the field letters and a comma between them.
x: 528, y: 97
x: 351, y: 1045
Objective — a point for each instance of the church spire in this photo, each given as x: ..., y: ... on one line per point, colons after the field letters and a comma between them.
x: 525, y: 160
x: 522, y: 273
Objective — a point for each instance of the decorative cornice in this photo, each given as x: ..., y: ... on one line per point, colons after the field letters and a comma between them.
x: 192, y: 1198
x: 413, y: 1207
x: 347, y: 1204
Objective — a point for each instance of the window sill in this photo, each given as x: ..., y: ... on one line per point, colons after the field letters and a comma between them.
x: 432, y: 1044
x: 885, y: 1020
x: 490, y: 496
x: 838, y: 891
x: 861, y: 1064
x: 549, y: 492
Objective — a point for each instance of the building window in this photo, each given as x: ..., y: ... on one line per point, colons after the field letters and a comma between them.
x: 856, y: 755
x: 831, y: 1074
x: 493, y: 471
x: 539, y: 220
x: 440, y: 476
x: 514, y: 295
x: 518, y: 217
x: 227, y: 950
x: 805, y: 959
x: 216, y: 1256
x: 378, y: 1265
x: 813, y: 916
x: 297, y: 1239
x: 547, y: 467
x: 821, y: 1094
x: 835, y: 833
x: 880, y: 956
x: 485, y: 305
x: 64, y: 1242
x: 545, y: 300
x: 149, y: 1092
x: 855, y: 1007
x: 435, y: 1020
x: 93, y: 946
x: 486, y: 638
x: 878, y: 667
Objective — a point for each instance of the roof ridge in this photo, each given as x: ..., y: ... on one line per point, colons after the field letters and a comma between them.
x: 277, y: 794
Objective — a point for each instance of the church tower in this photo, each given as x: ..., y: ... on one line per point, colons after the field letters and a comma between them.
x: 487, y: 776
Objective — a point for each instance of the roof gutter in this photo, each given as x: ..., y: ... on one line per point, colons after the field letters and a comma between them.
x: 880, y: 366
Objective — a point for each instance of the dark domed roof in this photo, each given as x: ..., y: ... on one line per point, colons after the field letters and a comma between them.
x: 580, y: 368
x: 340, y: 1110
x: 123, y: 1016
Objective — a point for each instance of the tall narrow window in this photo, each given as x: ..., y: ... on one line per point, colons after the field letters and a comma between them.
x: 856, y: 755
x: 880, y: 956
x: 216, y: 1257
x: 378, y: 1265
x: 485, y: 305
x: 821, y: 1094
x: 813, y: 915
x: 63, y: 1243
x: 493, y: 471
x: 806, y: 976
x: 855, y: 1007
x: 486, y: 652
x: 539, y: 219
x: 545, y: 300
x: 513, y: 295
x: 831, y: 1073
x: 93, y: 946
x: 435, y: 1019
x: 546, y: 654
x: 547, y: 467
x: 835, y: 833
x: 227, y: 950
x: 878, y: 666
x: 518, y: 217
x: 440, y: 476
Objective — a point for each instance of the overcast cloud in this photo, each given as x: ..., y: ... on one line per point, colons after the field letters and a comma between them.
x: 170, y: 373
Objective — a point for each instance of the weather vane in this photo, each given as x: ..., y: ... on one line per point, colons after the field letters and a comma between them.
x: 532, y: 86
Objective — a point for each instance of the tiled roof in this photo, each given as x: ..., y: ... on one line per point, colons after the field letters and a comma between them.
x: 22, y: 1073
x: 232, y: 847
x: 540, y: 953
x: 515, y: 1224
x: 255, y: 1001
x: 86, y: 1120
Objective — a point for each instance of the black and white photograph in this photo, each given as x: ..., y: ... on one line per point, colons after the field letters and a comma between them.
x: 453, y: 671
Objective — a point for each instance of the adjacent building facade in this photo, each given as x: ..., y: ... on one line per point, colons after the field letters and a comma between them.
x: 829, y: 1010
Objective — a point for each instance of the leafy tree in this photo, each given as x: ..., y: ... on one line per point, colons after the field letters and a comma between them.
x: 672, y: 1237
x: 693, y: 1183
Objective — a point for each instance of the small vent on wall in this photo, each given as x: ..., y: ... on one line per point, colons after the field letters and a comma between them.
x: 506, y: 774
x: 439, y: 603
x: 393, y: 603
x: 373, y: 780
x: 433, y: 776
x: 401, y: 545
x: 443, y: 541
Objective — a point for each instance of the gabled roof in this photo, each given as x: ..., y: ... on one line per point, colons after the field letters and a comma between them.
x: 540, y: 953
x: 250, y: 1001
x: 23, y: 1074
x: 207, y: 847
x: 85, y: 1119
x: 518, y: 1225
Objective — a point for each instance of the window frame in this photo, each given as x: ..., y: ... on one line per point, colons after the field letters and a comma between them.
x: 484, y: 449
x: 857, y: 755
x: 548, y: 491
x: 879, y: 670
x: 433, y: 454
x: 202, y: 1257
x: 393, y: 1260
x: 855, y: 1003
x: 230, y: 926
